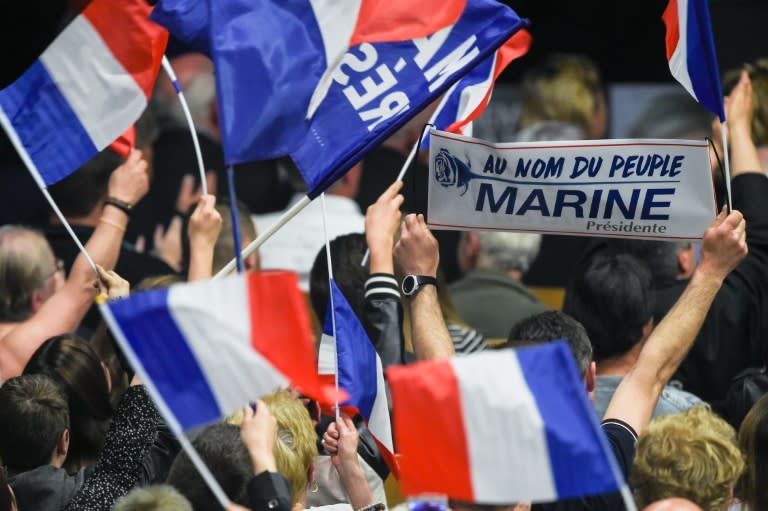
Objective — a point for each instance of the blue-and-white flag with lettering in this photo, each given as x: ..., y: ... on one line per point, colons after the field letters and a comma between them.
x: 467, y: 99
x: 352, y: 356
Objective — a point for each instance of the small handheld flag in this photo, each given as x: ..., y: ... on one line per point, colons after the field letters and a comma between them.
x: 468, y: 98
x: 207, y: 348
x: 350, y: 356
x: 500, y: 427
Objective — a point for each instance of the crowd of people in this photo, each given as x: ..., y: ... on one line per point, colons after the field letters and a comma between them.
x: 668, y: 336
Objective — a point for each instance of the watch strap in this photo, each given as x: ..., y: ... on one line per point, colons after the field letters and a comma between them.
x: 123, y: 206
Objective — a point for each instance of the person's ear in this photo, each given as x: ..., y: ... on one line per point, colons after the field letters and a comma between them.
x: 36, y: 300
x: 686, y: 262
x: 62, y: 446
x: 590, y: 377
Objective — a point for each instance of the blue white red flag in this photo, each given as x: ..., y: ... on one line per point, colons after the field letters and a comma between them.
x: 207, y: 348
x: 500, y: 427
x: 691, y: 52
x: 400, y: 59
x: 86, y: 89
x: 379, y: 87
x: 467, y: 99
x: 352, y: 356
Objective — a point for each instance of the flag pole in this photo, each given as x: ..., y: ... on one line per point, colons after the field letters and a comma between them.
x: 32, y: 168
x: 163, y: 408
x: 185, y: 108
x: 261, y: 238
x: 726, y: 164
x: 330, y: 297
x: 235, y: 219
x: 401, y: 175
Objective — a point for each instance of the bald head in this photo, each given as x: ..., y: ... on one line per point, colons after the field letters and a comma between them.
x: 673, y: 504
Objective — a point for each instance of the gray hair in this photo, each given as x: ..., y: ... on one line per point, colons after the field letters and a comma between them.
x: 508, y: 251
x: 550, y: 131
x: 24, y: 268
x: 153, y: 498
x: 672, y: 115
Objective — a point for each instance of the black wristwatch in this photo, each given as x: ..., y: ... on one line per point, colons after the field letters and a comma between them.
x: 412, y: 283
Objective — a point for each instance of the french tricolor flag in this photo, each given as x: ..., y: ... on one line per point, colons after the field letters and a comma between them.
x: 86, y: 89
x: 499, y: 427
x: 466, y: 100
x: 206, y: 349
x: 691, y: 52
x: 352, y: 356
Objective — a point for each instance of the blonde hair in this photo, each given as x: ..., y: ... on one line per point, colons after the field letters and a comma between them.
x: 753, y: 441
x: 691, y: 455
x: 562, y: 88
x: 296, y: 447
x: 153, y: 498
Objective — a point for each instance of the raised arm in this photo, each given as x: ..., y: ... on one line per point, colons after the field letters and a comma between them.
x: 64, y: 310
x: 204, y: 229
x: 744, y: 156
x: 723, y: 247
x: 417, y: 254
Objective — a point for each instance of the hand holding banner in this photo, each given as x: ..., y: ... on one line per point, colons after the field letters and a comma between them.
x: 619, y: 188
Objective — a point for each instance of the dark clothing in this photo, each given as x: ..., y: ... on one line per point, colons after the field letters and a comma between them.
x: 384, y: 318
x: 131, y: 436
x: 550, y: 268
x: 269, y: 491
x: 131, y: 265
x: 622, y: 439
x: 46, y: 488
x: 735, y: 330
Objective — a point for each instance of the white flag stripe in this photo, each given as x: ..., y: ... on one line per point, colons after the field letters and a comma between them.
x: 472, y: 96
x: 379, y: 423
x: 493, y: 389
x: 326, y: 357
x: 235, y: 372
x: 678, y: 63
x: 98, y: 88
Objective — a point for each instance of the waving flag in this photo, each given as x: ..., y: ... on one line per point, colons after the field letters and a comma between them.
x: 466, y: 100
x: 86, y: 89
x: 359, y: 367
x: 379, y: 87
x: 691, y: 52
x: 207, y: 348
x: 499, y: 427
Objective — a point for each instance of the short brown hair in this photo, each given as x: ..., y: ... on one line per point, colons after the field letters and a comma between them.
x: 691, y: 455
x: 34, y: 415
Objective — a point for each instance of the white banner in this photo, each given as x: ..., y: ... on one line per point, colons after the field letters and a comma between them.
x: 624, y: 188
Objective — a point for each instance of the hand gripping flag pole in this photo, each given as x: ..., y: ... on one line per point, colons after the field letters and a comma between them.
x: 401, y: 175
x: 185, y: 108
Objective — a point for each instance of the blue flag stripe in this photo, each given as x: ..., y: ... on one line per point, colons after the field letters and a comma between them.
x: 356, y: 356
x: 153, y: 334
x: 702, y: 60
x: 46, y: 125
x: 338, y: 138
x: 559, y: 392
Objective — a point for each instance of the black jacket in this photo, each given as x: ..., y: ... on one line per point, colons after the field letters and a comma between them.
x: 736, y: 328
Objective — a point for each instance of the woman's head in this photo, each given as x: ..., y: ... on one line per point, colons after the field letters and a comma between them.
x: 296, y: 446
x: 753, y: 441
x: 74, y: 365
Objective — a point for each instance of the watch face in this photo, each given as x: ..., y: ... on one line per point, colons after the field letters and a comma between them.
x: 409, y: 284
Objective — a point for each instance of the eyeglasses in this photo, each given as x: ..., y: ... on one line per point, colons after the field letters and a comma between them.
x: 59, y: 267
